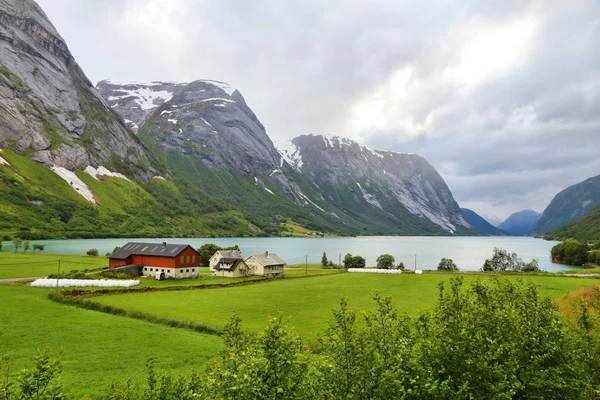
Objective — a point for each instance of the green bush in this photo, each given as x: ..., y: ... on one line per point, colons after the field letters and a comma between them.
x: 570, y: 252
x: 92, y: 252
x: 447, y: 264
x: 385, y: 261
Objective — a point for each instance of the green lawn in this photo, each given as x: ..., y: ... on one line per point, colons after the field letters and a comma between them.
x: 24, y: 265
x: 308, y: 303
x: 98, y: 348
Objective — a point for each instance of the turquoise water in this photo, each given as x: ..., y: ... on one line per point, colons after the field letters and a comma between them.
x: 468, y: 253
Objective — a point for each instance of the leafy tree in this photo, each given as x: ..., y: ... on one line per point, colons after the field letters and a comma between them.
x: 324, y: 260
x: 26, y: 246
x: 6, y: 238
x: 400, y: 266
x: 502, y: 261
x: 447, y: 264
x: 385, y: 261
x: 0, y: 245
x: 532, y: 266
x: 92, y: 252
x: 351, y: 261
x: 571, y: 252
x: 38, y: 247
x: 17, y: 242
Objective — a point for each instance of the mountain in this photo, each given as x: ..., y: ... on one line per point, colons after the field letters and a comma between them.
x: 48, y: 107
x: 586, y: 228
x: 492, y: 220
x: 205, y: 131
x: 569, y: 205
x: 479, y: 223
x: 521, y: 223
x: 375, y: 187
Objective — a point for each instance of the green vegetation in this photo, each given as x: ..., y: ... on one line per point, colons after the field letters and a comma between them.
x: 477, y: 342
x: 585, y: 228
x: 503, y: 261
x: 574, y: 252
x: 22, y: 265
x: 351, y: 261
x: 385, y: 261
x: 97, y: 348
x: 447, y: 264
x: 207, y: 250
x: 308, y: 302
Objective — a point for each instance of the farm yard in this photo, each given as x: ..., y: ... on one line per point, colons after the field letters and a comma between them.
x: 99, y: 348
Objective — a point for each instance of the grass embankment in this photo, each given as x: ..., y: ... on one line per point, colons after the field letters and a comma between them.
x: 97, y: 348
x: 25, y: 265
x: 308, y: 302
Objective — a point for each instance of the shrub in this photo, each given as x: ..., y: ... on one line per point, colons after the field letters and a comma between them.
x: 351, y: 261
x: 38, y: 247
x: 447, y: 264
x: 92, y: 252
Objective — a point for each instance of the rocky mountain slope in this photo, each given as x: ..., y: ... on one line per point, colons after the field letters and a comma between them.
x: 569, y: 205
x: 206, y: 131
x: 521, y: 223
x: 48, y: 107
x: 372, y: 185
x: 479, y: 223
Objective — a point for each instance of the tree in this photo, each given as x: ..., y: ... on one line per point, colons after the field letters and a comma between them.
x: 351, y: 261
x: 570, y: 252
x: 38, y: 247
x: 17, y: 242
x: 400, y: 266
x: 324, y: 261
x: 26, y: 246
x: 532, y: 266
x: 502, y: 261
x: 385, y: 261
x: 447, y: 264
x: 0, y: 245
x: 92, y: 252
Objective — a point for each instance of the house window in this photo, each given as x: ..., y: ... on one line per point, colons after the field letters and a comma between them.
x: 193, y: 260
x: 187, y: 259
x: 162, y: 270
x: 187, y: 270
x: 145, y: 269
x: 192, y: 270
x: 181, y: 259
x: 151, y: 269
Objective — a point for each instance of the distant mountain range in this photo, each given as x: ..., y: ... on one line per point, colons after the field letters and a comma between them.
x: 521, y: 223
x: 182, y: 159
x: 479, y: 223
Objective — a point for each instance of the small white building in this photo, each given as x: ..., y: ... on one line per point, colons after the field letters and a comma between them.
x: 228, y: 263
x: 267, y: 265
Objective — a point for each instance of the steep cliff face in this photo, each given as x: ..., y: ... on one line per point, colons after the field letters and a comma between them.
x: 356, y: 179
x: 569, y: 205
x: 49, y: 108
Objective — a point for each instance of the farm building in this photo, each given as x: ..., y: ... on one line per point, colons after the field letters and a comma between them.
x: 175, y: 261
x: 228, y: 263
x: 269, y: 265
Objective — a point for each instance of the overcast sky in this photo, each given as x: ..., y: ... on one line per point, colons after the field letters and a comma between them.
x: 502, y: 97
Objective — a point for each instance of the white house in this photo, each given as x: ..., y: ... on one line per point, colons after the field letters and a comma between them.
x: 228, y: 263
x: 268, y: 265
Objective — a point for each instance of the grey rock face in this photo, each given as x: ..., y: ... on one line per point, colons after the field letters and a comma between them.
x: 48, y: 105
x: 378, y: 178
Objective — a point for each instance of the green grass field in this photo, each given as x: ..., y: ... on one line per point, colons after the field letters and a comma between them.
x: 25, y: 265
x: 308, y: 303
x: 97, y: 348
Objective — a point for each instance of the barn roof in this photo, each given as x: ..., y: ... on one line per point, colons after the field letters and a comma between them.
x: 149, y: 249
x: 268, y: 259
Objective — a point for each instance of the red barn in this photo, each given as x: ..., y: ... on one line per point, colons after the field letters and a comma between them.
x: 173, y: 260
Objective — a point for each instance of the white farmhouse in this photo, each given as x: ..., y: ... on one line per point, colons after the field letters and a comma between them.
x: 228, y: 263
x: 268, y: 265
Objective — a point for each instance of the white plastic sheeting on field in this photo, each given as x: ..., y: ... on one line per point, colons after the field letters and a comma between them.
x: 376, y: 271
x: 83, y: 283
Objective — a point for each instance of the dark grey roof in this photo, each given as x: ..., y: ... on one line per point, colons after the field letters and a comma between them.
x: 234, y: 264
x: 149, y: 249
x: 268, y: 260
x: 235, y: 254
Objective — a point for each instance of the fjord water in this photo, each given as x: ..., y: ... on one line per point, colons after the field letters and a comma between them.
x: 468, y: 253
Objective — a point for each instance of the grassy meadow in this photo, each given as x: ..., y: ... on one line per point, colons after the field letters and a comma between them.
x: 25, y: 265
x: 99, y: 348
x: 308, y: 303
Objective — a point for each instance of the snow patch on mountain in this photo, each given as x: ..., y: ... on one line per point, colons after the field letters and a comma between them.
x: 290, y: 153
x: 221, y: 85
x: 145, y: 97
x: 102, y: 171
x: 3, y: 161
x: 369, y: 198
x: 76, y: 183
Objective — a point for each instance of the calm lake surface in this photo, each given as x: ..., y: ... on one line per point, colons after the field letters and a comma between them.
x: 468, y: 253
